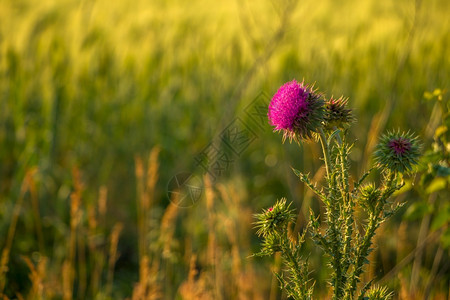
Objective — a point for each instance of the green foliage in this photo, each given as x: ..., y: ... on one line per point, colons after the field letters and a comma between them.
x: 418, y: 210
x: 435, y: 172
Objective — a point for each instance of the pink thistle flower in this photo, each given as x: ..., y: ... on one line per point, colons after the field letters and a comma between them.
x: 400, y: 145
x: 296, y: 110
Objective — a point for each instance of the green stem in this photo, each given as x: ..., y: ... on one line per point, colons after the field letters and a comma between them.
x: 361, y: 255
x: 348, y: 207
x: 326, y: 153
x: 333, y: 219
x: 374, y: 222
x: 296, y: 268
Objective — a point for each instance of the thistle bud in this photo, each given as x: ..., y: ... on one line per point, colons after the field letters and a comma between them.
x: 397, y: 152
x: 369, y: 196
x: 274, y: 220
x: 337, y: 114
x: 378, y: 293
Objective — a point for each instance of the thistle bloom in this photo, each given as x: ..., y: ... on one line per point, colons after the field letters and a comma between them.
x: 337, y: 114
x: 397, y: 151
x: 296, y: 110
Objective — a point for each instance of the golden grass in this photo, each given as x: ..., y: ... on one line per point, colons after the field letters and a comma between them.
x: 37, y: 277
x: 61, y: 282
x: 114, y: 241
x: 195, y: 288
x: 148, y: 285
x: 224, y: 270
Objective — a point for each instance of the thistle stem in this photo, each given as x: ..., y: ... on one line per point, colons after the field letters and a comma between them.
x: 362, y: 253
x: 374, y: 223
x: 326, y: 152
x: 348, y: 204
x: 333, y: 219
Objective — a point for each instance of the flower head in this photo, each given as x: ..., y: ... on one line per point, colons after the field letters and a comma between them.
x: 337, y: 114
x: 296, y: 110
x: 398, y: 152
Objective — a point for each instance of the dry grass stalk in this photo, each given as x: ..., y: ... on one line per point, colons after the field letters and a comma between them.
x: 113, y: 255
x: 152, y: 175
x: 92, y: 225
x: 147, y: 288
x: 139, y: 172
x: 376, y: 126
x: 195, y: 288
x: 35, y: 209
x: 241, y: 279
x: 82, y: 266
x: 97, y: 253
x: 81, y: 249
x: 67, y: 279
x: 237, y: 230
x: 146, y: 183
x: 102, y: 201
x: 167, y: 230
x: 75, y: 217
x: 404, y: 293
x: 214, y: 254
x: 37, y: 277
x: 12, y: 229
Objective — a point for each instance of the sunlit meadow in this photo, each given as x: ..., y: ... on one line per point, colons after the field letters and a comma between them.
x: 104, y: 103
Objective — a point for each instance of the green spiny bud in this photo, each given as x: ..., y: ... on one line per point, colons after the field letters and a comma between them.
x: 397, y: 152
x: 378, y: 293
x: 270, y: 245
x: 275, y: 219
x: 370, y: 196
x: 337, y: 114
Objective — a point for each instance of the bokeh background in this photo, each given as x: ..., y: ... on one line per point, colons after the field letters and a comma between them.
x: 108, y: 106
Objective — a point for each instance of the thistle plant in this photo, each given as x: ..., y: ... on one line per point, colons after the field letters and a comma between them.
x: 301, y: 113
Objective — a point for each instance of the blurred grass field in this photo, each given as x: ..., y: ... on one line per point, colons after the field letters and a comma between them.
x: 102, y: 103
